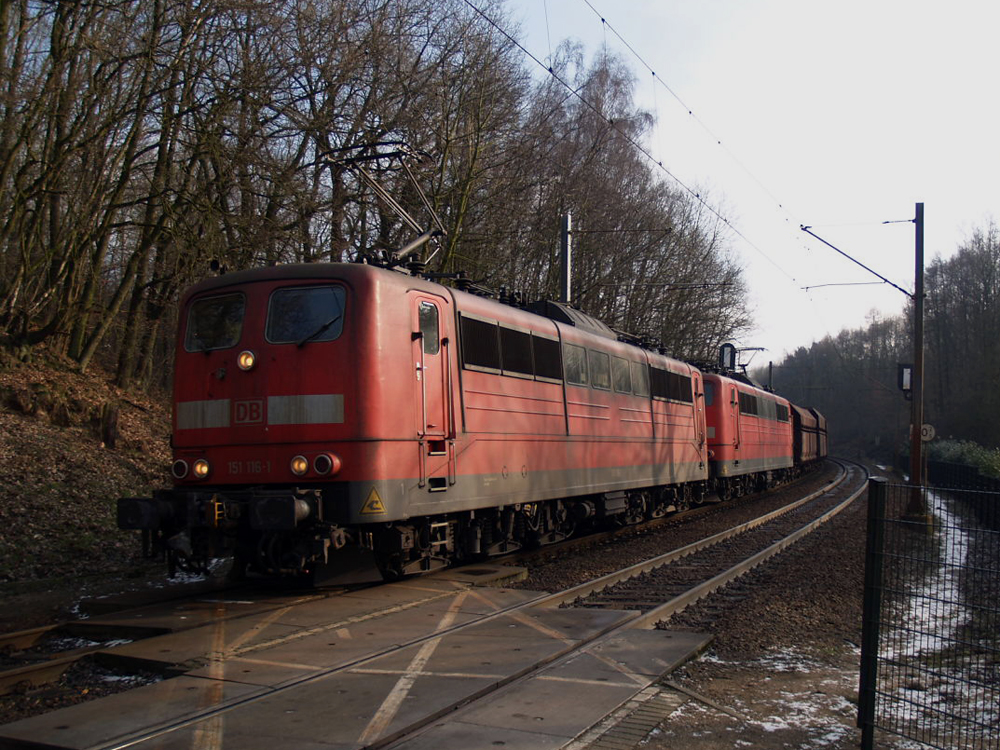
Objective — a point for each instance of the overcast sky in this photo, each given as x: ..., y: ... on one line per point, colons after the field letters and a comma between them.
x: 839, y: 116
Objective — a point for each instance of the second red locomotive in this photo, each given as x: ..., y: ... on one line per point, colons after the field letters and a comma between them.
x: 324, y: 412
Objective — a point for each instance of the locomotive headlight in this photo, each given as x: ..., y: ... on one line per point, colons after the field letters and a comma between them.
x: 299, y: 466
x: 246, y: 360
x: 179, y: 468
x: 327, y: 463
x: 201, y: 468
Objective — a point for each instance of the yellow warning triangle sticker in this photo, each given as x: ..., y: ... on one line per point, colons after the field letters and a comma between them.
x: 373, y: 505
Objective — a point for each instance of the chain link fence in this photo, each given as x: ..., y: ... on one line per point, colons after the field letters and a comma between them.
x: 930, y: 657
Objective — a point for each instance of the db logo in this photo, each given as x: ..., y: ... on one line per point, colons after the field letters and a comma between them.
x: 250, y: 411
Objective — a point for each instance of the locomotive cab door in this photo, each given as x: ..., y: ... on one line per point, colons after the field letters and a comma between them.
x: 431, y: 349
x: 734, y: 406
x: 698, y: 393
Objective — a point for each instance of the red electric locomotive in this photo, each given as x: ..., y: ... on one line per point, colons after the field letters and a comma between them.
x: 327, y: 412
x: 750, y: 436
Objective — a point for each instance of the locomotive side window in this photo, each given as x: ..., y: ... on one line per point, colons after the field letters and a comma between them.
x: 600, y: 370
x: 480, y: 347
x: 658, y: 382
x: 621, y: 374
x: 671, y: 386
x: 677, y: 383
x: 709, y: 394
x: 302, y: 314
x: 640, y: 379
x: 548, y: 363
x: 575, y: 361
x: 748, y: 403
x: 767, y: 408
x: 428, y: 313
x: 763, y: 407
x: 515, y: 352
x: 683, y: 388
x: 487, y: 345
x: 215, y: 323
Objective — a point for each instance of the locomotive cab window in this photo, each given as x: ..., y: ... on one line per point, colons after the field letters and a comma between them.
x: 215, y: 323
x: 429, y: 327
x: 304, y: 314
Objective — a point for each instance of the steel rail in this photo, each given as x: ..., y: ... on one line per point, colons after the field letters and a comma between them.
x: 46, y: 669
x: 647, y: 619
x: 631, y: 620
x: 598, y: 584
x: 673, y: 518
x: 678, y: 603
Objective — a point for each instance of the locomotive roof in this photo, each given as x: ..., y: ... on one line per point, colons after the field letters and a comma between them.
x: 546, y: 308
x: 319, y: 271
x: 571, y: 316
x: 556, y: 311
x: 746, y: 385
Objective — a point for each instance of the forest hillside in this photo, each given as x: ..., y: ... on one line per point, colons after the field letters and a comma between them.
x: 70, y: 445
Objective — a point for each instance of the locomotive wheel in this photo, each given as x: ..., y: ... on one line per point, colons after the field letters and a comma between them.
x: 686, y: 499
x: 394, y: 568
x: 390, y: 566
x: 638, y: 508
x: 237, y: 572
x: 724, y: 491
x: 532, y: 528
x: 280, y: 554
x: 564, y: 524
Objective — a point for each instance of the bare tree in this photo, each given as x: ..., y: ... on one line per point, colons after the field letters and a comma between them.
x: 142, y: 140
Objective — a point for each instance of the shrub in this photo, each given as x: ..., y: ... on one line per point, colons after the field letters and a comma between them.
x: 968, y: 453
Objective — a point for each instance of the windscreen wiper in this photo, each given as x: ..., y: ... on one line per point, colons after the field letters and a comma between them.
x: 319, y: 330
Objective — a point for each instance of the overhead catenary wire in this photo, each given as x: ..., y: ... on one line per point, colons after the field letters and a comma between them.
x: 635, y: 144
x: 690, y: 111
x: 845, y: 283
x: 808, y: 230
x: 788, y: 216
x: 701, y: 123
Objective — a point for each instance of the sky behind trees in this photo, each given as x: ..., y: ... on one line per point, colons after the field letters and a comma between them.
x: 838, y: 116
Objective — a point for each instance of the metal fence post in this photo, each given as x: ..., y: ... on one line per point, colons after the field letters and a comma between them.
x: 872, y: 614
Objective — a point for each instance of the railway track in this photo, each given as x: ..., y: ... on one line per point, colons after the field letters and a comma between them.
x: 637, y: 597
x: 663, y: 586
x: 37, y: 657
x: 672, y: 521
